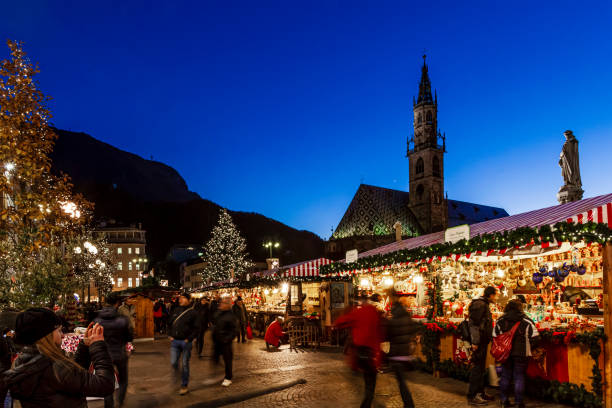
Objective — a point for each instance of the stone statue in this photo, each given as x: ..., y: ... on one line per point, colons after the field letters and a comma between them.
x: 570, y: 170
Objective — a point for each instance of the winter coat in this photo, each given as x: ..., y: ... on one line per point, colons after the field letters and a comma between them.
x: 117, y: 332
x: 366, y: 333
x: 203, y: 315
x: 184, y: 327
x: 241, y: 313
x: 274, y: 333
x: 401, y: 332
x: 5, y: 354
x: 365, y: 325
x: 158, y: 310
x: 225, y: 327
x: 480, y: 321
x: 37, y: 381
x: 526, y: 337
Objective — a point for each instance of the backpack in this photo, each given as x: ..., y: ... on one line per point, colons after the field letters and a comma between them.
x: 464, y: 331
x: 502, y: 344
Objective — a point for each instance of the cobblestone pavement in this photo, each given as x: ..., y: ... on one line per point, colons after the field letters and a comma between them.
x: 329, y: 382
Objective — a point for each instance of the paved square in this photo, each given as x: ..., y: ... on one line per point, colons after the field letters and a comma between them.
x: 329, y: 381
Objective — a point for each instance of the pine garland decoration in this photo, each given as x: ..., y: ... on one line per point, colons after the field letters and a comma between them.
x: 561, y: 232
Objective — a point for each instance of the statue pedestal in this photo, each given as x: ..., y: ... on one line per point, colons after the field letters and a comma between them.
x: 568, y: 194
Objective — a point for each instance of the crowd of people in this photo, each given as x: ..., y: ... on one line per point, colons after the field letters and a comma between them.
x: 42, y: 375
x: 370, y: 329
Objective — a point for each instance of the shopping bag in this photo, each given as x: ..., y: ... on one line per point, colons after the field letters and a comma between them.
x: 502, y: 345
x: 249, y: 332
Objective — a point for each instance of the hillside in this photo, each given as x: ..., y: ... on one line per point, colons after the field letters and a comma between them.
x: 130, y: 189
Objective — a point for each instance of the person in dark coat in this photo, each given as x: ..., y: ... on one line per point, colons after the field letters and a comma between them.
x: 6, y: 358
x: 202, y: 307
x: 480, y: 322
x: 43, y: 376
x: 225, y: 331
x: 117, y: 333
x: 183, y: 330
x: 240, y: 312
x: 401, y: 333
x: 525, y: 339
x: 159, y: 310
x: 214, y: 306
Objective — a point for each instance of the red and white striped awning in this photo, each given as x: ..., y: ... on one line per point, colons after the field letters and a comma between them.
x: 601, y: 215
x: 596, y: 209
x: 308, y: 268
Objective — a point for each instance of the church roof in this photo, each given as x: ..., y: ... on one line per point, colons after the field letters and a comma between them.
x: 460, y: 212
x: 374, y: 210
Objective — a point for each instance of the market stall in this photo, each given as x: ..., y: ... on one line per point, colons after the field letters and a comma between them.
x: 554, y: 257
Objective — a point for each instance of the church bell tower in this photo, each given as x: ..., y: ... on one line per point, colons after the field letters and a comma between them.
x: 426, y: 160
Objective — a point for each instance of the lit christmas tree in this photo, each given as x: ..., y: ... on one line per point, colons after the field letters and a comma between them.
x: 225, y: 251
x: 38, y: 212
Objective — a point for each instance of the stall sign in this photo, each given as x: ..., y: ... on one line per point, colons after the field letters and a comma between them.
x: 456, y: 234
x: 351, y: 256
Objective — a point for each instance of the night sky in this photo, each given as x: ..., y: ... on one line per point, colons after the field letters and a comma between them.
x: 283, y: 108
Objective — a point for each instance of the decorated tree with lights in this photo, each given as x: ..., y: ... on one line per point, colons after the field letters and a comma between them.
x: 225, y: 252
x: 38, y: 212
x: 93, y: 262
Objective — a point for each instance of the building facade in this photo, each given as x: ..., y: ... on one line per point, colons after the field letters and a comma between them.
x: 128, y: 244
x: 191, y: 273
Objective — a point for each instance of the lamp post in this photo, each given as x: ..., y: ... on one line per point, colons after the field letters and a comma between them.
x: 271, y: 245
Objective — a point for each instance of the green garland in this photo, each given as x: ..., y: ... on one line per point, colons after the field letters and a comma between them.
x: 271, y: 280
x: 563, y: 232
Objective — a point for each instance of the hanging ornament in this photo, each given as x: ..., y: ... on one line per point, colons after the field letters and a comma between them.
x: 537, y: 278
x: 581, y: 270
x: 543, y: 269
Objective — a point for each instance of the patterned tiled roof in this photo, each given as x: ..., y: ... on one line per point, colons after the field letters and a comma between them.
x: 374, y: 211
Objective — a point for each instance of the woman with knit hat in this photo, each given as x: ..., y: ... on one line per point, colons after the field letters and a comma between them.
x: 42, y: 376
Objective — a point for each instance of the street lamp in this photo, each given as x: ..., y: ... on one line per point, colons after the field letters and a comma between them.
x: 271, y: 245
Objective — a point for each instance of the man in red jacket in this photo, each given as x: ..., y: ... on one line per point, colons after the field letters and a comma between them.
x: 365, y: 325
x: 274, y: 333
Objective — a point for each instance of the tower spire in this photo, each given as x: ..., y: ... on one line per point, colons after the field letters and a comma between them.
x: 425, y: 85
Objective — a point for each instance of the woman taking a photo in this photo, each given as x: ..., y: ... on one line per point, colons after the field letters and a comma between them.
x: 42, y: 376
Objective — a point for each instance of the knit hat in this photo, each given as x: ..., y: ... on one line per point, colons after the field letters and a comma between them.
x: 185, y: 295
x: 34, y: 324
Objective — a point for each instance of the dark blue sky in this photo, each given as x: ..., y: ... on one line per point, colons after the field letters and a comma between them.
x: 284, y: 107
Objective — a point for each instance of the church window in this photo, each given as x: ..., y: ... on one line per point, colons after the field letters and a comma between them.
x: 420, y: 192
x: 436, y: 166
x: 419, y: 118
x: 429, y: 117
x: 420, y: 166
